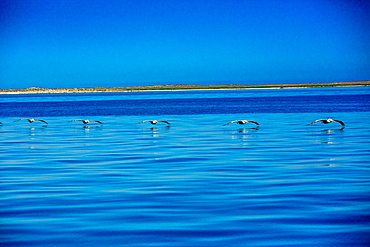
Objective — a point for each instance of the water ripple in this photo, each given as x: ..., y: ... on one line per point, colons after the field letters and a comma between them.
x: 192, y: 184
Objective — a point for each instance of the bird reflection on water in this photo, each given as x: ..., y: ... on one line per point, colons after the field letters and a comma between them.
x: 156, y: 132
x: 36, y: 131
x: 91, y: 127
x: 327, y: 136
x: 242, y: 133
x: 331, y: 131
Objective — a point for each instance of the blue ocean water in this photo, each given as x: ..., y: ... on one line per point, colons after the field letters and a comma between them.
x: 193, y: 183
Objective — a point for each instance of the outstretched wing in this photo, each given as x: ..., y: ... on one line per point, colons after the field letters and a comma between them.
x: 144, y: 121
x: 76, y: 120
x: 21, y: 119
x: 339, y: 122
x: 319, y: 120
x: 96, y: 121
x: 253, y: 122
x: 163, y: 122
x: 231, y: 122
x: 41, y: 120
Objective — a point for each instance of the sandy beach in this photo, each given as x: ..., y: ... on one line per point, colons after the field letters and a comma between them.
x: 178, y: 87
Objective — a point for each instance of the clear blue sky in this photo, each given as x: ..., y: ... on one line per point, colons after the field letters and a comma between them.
x: 89, y: 43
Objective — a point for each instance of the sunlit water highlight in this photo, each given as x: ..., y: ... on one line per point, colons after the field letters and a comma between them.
x: 195, y: 183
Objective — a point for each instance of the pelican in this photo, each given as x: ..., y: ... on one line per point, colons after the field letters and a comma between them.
x: 86, y: 121
x: 153, y: 121
x: 242, y: 122
x: 31, y: 120
x: 326, y: 121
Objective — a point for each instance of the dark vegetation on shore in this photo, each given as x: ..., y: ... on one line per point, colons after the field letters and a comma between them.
x: 179, y: 87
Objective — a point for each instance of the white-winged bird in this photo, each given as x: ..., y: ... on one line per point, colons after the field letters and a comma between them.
x: 242, y: 122
x: 329, y: 120
x: 86, y: 121
x: 31, y: 120
x: 154, y: 121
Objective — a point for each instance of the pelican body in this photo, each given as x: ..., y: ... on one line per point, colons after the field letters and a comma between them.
x: 242, y: 122
x: 86, y: 121
x: 327, y: 121
x: 31, y: 120
x: 154, y: 122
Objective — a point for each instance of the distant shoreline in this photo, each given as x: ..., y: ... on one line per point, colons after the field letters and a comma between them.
x: 179, y: 87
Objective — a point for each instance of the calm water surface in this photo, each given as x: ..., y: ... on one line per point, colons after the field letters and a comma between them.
x: 195, y: 183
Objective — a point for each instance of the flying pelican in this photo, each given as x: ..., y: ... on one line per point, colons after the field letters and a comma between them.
x: 242, y: 122
x: 326, y: 121
x: 154, y: 121
x: 86, y: 121
x: 31, y: 120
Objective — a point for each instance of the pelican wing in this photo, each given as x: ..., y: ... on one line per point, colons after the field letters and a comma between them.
x: 41, y: 120
x: 231, y: 122
x: 163, y: 122
x: 339, y: 122
x: 253, y: 122
x: 96, y: 121
x: 319, y: 120
x: 21, y: 119
x: 76, y: 120
x: 144, y: 121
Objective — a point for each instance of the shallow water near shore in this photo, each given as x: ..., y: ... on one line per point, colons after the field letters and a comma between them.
x: 193, y: 183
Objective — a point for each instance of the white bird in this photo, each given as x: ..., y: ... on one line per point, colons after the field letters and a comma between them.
x: 326, y: 121
x: 242, y: 122
x: 31, y: 120
x: 86, y: 121
x: 153, y: 121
